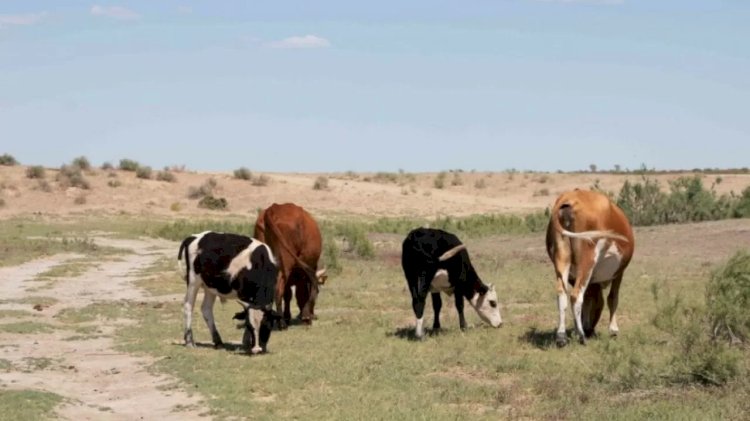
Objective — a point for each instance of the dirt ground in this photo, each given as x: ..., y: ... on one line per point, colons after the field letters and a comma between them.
x: 96, y: 381
x: 414, y: 195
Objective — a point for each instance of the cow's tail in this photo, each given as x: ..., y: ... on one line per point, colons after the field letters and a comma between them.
x: 184, y: 250
x: 452, y: 252
x: 563, y: 217
x: 310, y: 272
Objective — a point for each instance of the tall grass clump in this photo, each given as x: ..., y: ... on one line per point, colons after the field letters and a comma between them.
x: 439, y: 181
x: 36, y: 172
x: 166, y: 176
x: 205, y: 189
x: 8, y: 160
x: 107, y: 166
x: 728, y: 299
x: 243, y: 173
x: 331, y: 257
x: 321, y: 183
x: 143, y: 172
x: 82, y: 162
x: 72, y: 176
x: 213, y: 203
x: 179, y: 230
x: 129, y: 165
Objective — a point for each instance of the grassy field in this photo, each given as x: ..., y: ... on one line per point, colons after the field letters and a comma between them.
x: 359, y: 360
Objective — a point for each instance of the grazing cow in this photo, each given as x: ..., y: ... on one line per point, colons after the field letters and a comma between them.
x: 590, y: 242
x: 435, y: 261
x: 230, y: 266
x: 294, y: 238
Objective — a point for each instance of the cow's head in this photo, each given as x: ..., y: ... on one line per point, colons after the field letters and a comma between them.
x: 487, y: 306
x: 258, y: 324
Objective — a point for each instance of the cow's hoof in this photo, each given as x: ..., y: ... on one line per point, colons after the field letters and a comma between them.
x: 189, y: 345
x: 589, y: 333
x: 256, y: 350
x: 218, y: 345
x: 582, y: 339
x: 614, y: 333
x: 307, y: 322
x: 561, y: 339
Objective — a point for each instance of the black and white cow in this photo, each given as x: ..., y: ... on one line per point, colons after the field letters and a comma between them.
x: 230, y: 266
x: 435, y: 261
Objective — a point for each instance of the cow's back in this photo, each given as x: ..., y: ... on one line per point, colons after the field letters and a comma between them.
x: 295, y: 227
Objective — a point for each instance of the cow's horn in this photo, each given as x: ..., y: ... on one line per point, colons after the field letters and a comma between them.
x: 452, y: 252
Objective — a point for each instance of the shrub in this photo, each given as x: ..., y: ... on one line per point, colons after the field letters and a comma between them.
x: 439, y: 181
x: 355, y: 236
x: 206, y: 189
x: 385, y: 177
x: 82, y: 162
x: 143, y: 172
x: 728, y: 298
x: 175, y: 207
x: 213, y: 203
x: 36, y: 171
x: 129, y: 165
x: 742, y: 209
x: 71, y: 176
x: 114, y: 183
x: 167, y: 176
x: 43, y: 185
x: 2, y: 202
x: 80, y: 199
x: 243, y: 174
x: 321, y: 183
x: 331, y: 258
x: 261, y: 180
x: 542, y: 192
x: 480, y: 184
x: 8, y: 160
x: 457, y: 180
x: 107, y: 166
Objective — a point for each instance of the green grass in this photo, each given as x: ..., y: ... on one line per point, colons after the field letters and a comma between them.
x: 26, y: 327
x: 28, y: 404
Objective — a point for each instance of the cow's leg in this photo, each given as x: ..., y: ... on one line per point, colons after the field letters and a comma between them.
x: 593, y: 304
x: 418, y: 299
x: 187, y: 308
x: 304, y: 292
x: 287, y: 304
x: 460, y: 310
x: 437, y: 304
x: 207, y: 308
x: 612, y: 300
x: 588, y: 255
x: 562, y: 270
x: 280, y: 289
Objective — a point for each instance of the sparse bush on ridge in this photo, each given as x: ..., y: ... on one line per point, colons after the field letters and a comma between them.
x: 82, y: 162
x: 439, y: 181
x: 321, y: 183
x: 213, y: 203
x: 36, y: 171
x: 166, y: 176
x: 71, y: 176
x: 107, y: 166
x: 205, y: 189
x: 129, y: 165
x: 261, y: 180
x: 243, y: 174
x: 8, y: 160
x: 143, y: 172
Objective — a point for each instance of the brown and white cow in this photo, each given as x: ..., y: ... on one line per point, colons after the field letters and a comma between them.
x: 294, y: 238
x: 590, y: 242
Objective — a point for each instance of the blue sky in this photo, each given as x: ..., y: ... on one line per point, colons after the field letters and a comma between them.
x: 366, y: 86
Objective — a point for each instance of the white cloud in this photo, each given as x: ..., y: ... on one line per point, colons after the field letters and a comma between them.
x: 115, y: 12
x: 22, y: 19
x: 305, y: 41
x: 184, y: 10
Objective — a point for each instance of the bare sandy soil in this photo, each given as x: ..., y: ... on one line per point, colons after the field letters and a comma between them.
x: 347, y: 194
x: 97, y: 381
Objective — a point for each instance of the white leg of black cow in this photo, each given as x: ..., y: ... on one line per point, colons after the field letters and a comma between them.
x: 578, y: 305
x: 418, y: 301
x: 255, y: 318
x: 207, y: 308
x: 187, y: 308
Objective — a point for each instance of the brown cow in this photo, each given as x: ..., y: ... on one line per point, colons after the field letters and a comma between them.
x: 294, y: 238
x: 590, y: 242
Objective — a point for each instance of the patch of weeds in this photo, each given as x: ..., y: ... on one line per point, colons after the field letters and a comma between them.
x: 43, y: 185
x: 82, y: 162
x: 71, y: 176
x: 261, y: 181
x: 205, y: 189
x: 541, y: 192
x: 331, y: 258
x: 14, y: 314
x: 32, y: 364
x: 213, y: 203
x: 129, y: 165
x: 28, y: 404
x: 439, y: 181
x: 80, y: 199
x: 25, y: 327
x: 166, y: 176
x: 243, y: 173
x: 114, y: 183
x: 5, y: 365
x: 108, y: 311
x: 728, y: 298
x: 480, y: 184
x: 107, y: 166
x: 457, y: 180
x: 68, y: 269
x: 321, y: 183
x: 36, y: 172
x: 2, y: 202
x: 176, y: 206
x: 143, y: 172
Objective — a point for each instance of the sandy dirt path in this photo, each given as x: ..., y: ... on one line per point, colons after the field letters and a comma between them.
x: 97, y: 381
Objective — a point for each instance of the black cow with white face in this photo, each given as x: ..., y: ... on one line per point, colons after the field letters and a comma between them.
x: 435, y: 261
x: 230, y: 266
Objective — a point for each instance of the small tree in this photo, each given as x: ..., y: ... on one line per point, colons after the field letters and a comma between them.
x: 593, y: 167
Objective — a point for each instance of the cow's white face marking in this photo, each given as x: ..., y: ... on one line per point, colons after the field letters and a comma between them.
x: 487, y: 307
x: 608, y: 264
x: 440, y: 283
x: 255, y: 318
x: 420, y: 328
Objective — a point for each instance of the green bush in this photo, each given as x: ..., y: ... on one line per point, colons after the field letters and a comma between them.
x: 166, y: 176
x: 742, y: 210
x: 129, y: 165
x: 82, y: 162
x: 107, y: 166
x: 331, y: 258
x: 143, y: 172
x: 213, y: 203
x: 36, y: 171
x: 71, y: 176
x: 243, y: 174
x: 728, y: 299
x: 8, y: 160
